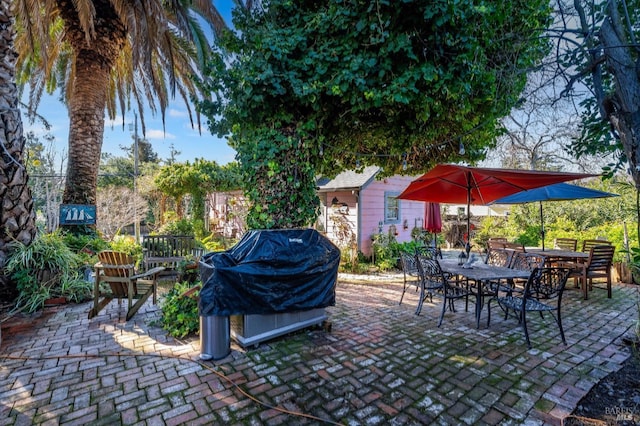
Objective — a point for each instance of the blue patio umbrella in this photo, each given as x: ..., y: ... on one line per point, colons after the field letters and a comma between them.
x: 555, y: 192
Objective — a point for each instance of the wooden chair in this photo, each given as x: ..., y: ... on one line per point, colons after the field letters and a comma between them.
x: 598, y: 265
x: 566, y: 244
x: 495, y: 244
x: 498, y: 239
x: 118, y: 270
x: 587, y: 244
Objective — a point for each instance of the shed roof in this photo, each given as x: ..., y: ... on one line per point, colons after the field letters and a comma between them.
x: 348, y: 180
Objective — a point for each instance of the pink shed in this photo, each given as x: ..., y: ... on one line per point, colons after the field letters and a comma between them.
x: 356, y: 206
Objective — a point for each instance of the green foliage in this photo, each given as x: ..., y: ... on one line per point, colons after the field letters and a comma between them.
x: 411, y: 247
x: 310, y: 88
x: 127, y: 244
x: 180, y: 316
x: 352, y: 265
x: 177, y: 227
x: 214, y: 242
x: 197, y: 179
x: 386, y: 251
x: 279, y: 178
x: 46, y: 268
x: 86, y: 246
x: 487, y: 229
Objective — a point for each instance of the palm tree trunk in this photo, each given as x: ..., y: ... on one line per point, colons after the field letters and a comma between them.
x: 17, y: 217
x: 86, y: 129
x: 94, y: 60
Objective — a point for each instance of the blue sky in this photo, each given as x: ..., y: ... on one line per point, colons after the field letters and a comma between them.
x: 177, y: 131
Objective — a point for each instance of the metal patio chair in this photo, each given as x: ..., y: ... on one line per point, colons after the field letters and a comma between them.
x: 542, y: 293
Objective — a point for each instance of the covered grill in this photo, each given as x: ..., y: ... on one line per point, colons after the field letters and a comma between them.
x: 280, y: 280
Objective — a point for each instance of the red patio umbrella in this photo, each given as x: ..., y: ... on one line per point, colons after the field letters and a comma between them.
x: 432, y: 218
x: 457, y: 184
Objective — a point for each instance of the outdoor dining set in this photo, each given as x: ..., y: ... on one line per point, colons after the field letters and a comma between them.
x: 518, y: 280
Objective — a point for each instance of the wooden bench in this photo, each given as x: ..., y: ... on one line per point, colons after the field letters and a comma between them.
x: 168, y: 251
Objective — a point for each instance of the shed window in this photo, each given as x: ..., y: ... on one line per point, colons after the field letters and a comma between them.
x: 391, y: 207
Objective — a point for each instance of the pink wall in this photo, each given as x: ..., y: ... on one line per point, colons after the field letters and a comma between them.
x: 372, y: 211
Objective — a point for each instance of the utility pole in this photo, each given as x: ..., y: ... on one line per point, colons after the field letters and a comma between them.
x: 136, y: 221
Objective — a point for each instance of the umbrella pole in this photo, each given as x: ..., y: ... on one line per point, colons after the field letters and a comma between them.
x: 542, y: 225
x: 468, y: 245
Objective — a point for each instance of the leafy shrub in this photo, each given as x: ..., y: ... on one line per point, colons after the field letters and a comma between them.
x: 386, y: 251
x: 351, y: 265
x: 177, y: 227
x: 86, y: 246
x: 180, y: 315
x: 127, y: 244
x: 411, y: 247
x: 46, y: 268
x: 215, y: 242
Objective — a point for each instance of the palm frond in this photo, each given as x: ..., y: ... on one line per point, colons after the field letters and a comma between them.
x: 86, y: 14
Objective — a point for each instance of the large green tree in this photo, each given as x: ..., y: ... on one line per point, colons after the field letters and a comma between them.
x: 598, y: 49
x: 101, y: 54
x: 17, y: 216
x: 307, y: 87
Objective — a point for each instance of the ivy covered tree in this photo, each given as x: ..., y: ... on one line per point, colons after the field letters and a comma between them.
x: 306, y: 88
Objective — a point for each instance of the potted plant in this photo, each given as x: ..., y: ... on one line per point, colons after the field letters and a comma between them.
x: 46, y: 269
x: 628, y: 269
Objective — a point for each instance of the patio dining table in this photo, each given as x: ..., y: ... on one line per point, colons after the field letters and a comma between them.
x: 555, y: 255
x: 481, y: 274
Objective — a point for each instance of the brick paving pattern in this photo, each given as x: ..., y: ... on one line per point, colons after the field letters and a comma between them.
x: 379, y: 365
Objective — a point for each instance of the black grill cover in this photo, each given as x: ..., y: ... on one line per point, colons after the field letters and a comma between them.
x: 270, y: 271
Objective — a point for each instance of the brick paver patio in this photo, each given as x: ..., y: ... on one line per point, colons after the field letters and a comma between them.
x: 380, y: 364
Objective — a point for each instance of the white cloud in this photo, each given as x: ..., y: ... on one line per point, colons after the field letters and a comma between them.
x: 177, y: 113
x: 158, y: 134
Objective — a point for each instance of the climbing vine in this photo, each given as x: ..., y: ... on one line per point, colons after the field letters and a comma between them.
x: 307, y: 88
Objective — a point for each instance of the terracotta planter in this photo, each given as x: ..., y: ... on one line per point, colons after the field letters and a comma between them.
x: 55, y: 301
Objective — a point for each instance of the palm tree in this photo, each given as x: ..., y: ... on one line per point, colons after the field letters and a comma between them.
x: 17, y: 217
x: 103, y: 53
